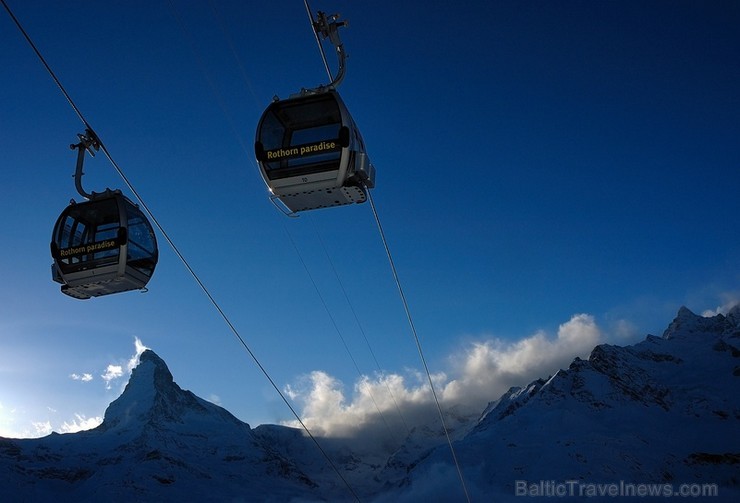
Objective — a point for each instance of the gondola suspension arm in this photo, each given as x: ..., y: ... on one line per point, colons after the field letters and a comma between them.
x: 328, y: 27
x: 88, y: 143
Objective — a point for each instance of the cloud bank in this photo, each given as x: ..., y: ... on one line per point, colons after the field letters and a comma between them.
x: 480, y: 373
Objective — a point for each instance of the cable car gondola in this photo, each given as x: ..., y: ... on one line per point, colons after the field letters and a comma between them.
x: 309, y: 150
x: 311, y: 154
x: 103, y: 245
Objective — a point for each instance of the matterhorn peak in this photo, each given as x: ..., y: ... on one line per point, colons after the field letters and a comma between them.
x: 152, y: 397
x: 149, y: 355
x: 152, y: 367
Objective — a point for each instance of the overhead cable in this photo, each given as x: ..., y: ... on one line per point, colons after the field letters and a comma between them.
x: 418, y: 342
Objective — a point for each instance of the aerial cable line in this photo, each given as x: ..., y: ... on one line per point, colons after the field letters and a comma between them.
x: 318, y: 40
x: 175, y: 248
x: 230, y: 40
x: 336, y: 328
x: 48, y: 68
x: 211, y: 84
x: 359, y: 325
x: 329, y: 30
x: 417, y: 341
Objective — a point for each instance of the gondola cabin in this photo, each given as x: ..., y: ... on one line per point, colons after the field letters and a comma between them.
x: 311, y: 154
x: 102, y: 246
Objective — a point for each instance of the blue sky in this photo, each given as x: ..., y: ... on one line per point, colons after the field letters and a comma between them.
x: 551, y: 175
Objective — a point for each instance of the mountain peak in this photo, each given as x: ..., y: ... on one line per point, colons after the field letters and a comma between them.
x: 149, y: 355
x: 160, y: 374
x: 688, y: 325
x: 151, y: 396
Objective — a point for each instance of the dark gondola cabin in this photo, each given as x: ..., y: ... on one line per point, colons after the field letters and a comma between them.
x: 102, y: 246
x: 311, y: 154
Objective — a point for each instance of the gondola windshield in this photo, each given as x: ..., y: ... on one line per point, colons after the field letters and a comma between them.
x: 298, y: 137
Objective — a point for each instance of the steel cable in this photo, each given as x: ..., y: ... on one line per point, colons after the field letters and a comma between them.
x: 417, y: 341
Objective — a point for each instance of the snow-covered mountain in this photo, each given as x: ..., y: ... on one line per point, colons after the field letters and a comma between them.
x: 662, y: 415
x: 157, y: 442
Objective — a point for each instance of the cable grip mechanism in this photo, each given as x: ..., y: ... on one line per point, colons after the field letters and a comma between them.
x: 327, y: 26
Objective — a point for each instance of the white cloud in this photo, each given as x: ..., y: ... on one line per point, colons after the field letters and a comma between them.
x: 481, y: 373
x: 81, y: 423
x: 134, y: 360
x: 84, y: 377
x: 115, y: 371
x: 491, y: 367
x: 112, y: 372
x: 327, y: 410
